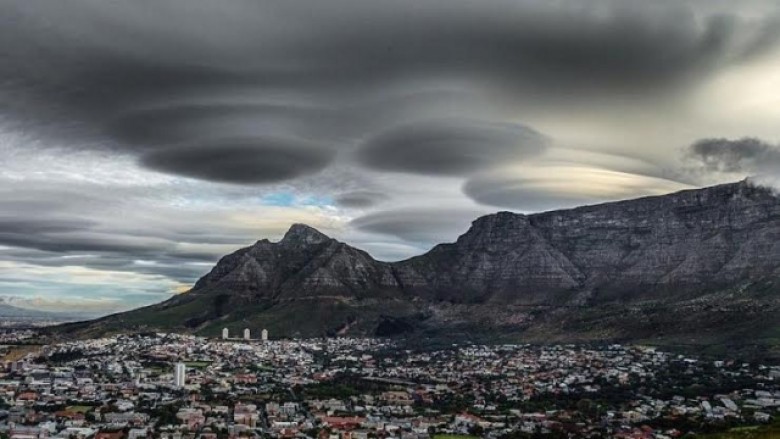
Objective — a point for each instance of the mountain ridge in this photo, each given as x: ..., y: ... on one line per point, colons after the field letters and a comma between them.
x: 568, y: 274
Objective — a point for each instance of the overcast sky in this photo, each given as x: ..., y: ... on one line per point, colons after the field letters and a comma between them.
x: 141, y: 140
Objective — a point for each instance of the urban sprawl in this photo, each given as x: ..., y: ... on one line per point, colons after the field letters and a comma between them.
x: 173, y: 386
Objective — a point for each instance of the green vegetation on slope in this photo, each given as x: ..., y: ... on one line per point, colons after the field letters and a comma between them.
x: 771, y: 431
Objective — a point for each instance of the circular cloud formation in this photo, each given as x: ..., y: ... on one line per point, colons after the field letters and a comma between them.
x: 361, y: 199
x: 451, y: 147
x: 421, y: 225
x: 169, y: 124
x: 242, y: 161
x: 546, y: 187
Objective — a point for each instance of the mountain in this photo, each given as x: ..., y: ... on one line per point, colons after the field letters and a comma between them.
x: 10, y: 314
x: 697, y: 266
x: 10, y: 311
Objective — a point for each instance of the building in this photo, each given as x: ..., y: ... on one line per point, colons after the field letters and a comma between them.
x: 225, y: 333
x: 264, y: 335
x: 137, y: 433
x: 179, y: 375
x: 247, y: 334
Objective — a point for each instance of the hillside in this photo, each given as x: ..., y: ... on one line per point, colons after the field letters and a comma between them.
x: 698, y: 266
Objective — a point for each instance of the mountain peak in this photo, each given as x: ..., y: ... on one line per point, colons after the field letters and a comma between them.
x: 679, y: 259
x: 303, y: 234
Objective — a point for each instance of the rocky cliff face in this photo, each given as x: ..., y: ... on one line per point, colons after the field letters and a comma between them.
x: 689, y: 241
x: 572, y: 274
x: 502, y: 258
x: 649, y: 248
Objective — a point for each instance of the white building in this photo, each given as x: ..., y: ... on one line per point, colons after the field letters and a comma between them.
x: 264, y: 335
x: 225, y: 333
x: 137, y: 433
x: 247, y: 334
x: 179, y: 375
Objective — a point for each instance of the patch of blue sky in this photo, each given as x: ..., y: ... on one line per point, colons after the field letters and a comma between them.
x: 279, y: 199
x: 290, y: 199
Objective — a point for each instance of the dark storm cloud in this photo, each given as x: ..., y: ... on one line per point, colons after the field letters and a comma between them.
x: 745, y: 155
x: 158, y: 81
x: 254, y: 160
x: 163, y: 125
x: 450, y: 147
x: 419, y: 225
x: 592, y: 46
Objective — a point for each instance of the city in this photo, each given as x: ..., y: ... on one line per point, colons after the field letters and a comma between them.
x: 389, y: 219
x: 157, y: 385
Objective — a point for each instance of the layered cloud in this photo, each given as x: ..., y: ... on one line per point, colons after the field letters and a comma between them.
x: 250, y: 160
x: 450, y: 147
x: 548, y: 187
x: 428, y: 226
x: 293, y: 80
x: 564, y: 178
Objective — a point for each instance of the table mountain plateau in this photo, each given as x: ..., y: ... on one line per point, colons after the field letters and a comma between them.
x: 697, y: 266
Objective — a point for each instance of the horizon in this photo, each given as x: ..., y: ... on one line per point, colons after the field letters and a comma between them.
x: 143, y: 142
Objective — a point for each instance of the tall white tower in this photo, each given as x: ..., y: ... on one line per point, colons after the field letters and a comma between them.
x: 264, y: 335
x: 179, y: 375
x: 247, y: 335
x: 225, y: 333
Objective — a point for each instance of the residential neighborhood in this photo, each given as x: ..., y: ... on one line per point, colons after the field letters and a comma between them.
x: 175, y: 386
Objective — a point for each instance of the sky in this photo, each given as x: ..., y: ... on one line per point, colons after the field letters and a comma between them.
x: 141, y: 141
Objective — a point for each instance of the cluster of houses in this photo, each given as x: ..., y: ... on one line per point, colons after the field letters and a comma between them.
x: 185, y: 387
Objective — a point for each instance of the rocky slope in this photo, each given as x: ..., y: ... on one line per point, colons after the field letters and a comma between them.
x: 650, y: 248
x: 694, y: 266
